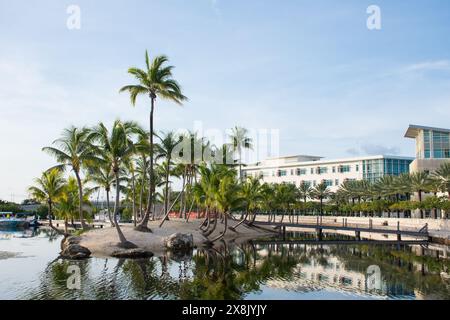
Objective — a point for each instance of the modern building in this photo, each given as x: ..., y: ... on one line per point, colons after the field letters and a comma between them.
x: 314, y: 170
x: 432, y: 147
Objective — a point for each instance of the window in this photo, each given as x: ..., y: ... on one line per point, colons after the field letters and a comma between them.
x: 441, y: 144
x: 328, y: 183
x: 301, y: 172
x: 343, y: 169
x: 306, y: 183
x: 334, y: 169
x: 357, y: 168
x: 292, y: 172
x: 312, y: 170
x: 336, y: 182
x: 282, y: 173
x: 321, y: 170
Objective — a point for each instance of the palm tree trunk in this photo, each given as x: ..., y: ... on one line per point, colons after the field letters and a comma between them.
x: 80, y: 198
x: 144, y: 222
x: 66, y: 223
x: 420, y: 201
x: 222, y: 234
x: 208, y: 233
x: 50, y: 212
x: 188, y: 215
x: 109, y: 209
x: 240, y: 222
x: 240, y: 164
x: 123, y: 241
x: 321, y: 207
x: 166, y: 190
x: 133, y: 186
x: 182, y: 196
x: 169, y: 209
x: 141, y: 195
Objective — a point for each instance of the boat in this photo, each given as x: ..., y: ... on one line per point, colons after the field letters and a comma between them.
x: 11, y: 221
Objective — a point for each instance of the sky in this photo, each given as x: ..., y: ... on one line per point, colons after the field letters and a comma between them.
x: 311, y: 70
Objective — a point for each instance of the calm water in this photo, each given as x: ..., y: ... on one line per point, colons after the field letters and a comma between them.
x: 30, y: 269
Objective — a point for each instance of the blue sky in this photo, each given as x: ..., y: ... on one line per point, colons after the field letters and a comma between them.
x: 311, y: 69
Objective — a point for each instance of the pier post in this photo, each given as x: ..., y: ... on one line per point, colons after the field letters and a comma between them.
x: 319, y: 234
x: 358, y: 235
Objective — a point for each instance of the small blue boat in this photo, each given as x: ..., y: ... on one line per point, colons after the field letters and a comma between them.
x: 10, y: 221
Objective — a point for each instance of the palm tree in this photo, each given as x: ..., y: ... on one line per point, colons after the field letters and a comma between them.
x: 226, y: 198
x: 304, y: 192
x: 67, y: 203
x: 48, y: 189
x: 73, y: 150
x: 321, y: 192
x: 442, y: 174
x: 102, y: 176
x: 252, y: 196
x: 155, y: 81
x: 240, y: 140
x: 117, y: 147
x: 167, y: 145
x: 420, y: 182
x: 143, y: 151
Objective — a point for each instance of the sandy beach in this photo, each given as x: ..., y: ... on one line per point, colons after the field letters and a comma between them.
x: 103, y: 242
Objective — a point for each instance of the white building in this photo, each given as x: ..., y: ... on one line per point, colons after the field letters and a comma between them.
x: 315, y: 170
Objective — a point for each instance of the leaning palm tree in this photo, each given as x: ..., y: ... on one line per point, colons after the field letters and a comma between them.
x: 116, y: 147
x: 240, y: 140
x: 226, y: 198
x: 420, y: 183
x: 252, y: 196
x: 321, y: 192
x: 48, y: 189
x: 73, y: 150
x: 155, y: 81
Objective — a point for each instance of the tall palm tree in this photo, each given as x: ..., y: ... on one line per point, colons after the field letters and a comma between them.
x: 117, y: 147
x: 240, y: 140
x: 321, y: 192
x: 166, y: 147
x: 73, y: 150
x: 143, y: 151
x: 48, y: 189
x: 420, y: 183
x: 155, y: 81
x: 442, y: 174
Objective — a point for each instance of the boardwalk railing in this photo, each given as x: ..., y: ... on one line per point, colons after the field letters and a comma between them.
x: 320, y: 223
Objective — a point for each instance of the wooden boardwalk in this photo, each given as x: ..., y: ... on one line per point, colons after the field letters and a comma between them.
x: 320, y: 226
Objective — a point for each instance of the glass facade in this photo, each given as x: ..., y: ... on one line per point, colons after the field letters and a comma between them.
x: 436, y: 144
x: 375, y: 169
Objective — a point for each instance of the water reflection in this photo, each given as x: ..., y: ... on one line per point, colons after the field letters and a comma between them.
x: 256, y: 270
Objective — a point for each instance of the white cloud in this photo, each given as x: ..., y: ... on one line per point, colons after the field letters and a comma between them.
x: 437, y: 65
